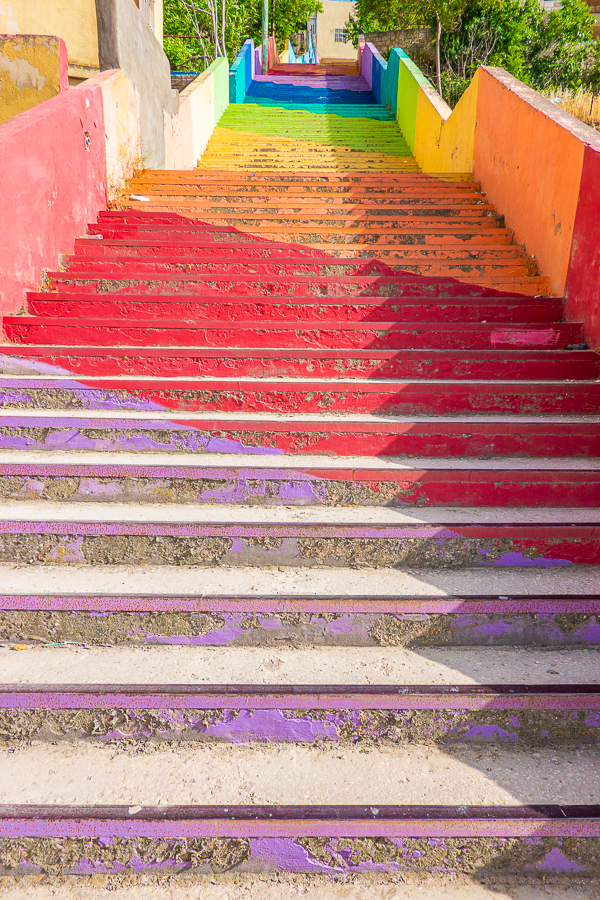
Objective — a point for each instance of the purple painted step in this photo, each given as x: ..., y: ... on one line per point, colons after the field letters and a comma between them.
x: 328, y: 621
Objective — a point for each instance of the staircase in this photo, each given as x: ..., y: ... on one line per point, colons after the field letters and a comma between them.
x: 299, y: 539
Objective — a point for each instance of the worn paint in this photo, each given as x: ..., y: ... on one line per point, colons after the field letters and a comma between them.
x: 33, y: 68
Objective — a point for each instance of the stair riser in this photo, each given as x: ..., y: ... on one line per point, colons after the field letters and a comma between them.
x: 412, y: 439
x: 362, y: 221
x: 284, y: 487
x: 400, y: 399
x: 297, y: 312
x: 293, y: 209
x: 164, y: 233
x: 63, y: 718
x: 273, y: 286
x: 57, y: 543
x: 230, y: 253
x: 275, y: 196
x: 252, y: 626
x: 329, y: 850
x: 484, y: 337
x: 510, y: 364
x: 118, y: 267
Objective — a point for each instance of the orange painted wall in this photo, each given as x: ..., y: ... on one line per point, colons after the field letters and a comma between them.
x: 528, y: 156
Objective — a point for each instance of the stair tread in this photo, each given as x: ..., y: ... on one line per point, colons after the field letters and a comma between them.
x: 157, y: 665
x: 179, y: 514
x: 290, y: 775
x: 248, y: 582
x: 378, y: 465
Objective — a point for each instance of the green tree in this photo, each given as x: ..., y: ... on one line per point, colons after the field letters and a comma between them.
x: 199, y: 31
x: 546, y: 51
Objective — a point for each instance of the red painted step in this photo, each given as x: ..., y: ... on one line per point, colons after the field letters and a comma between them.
x: 203, y: 248
x: 351, y: 336
x: 407, y: 284
x: 296, y: 308
x: 442, y: 436
x: 395, y: 398
x: 458, y: 485
x: 294, y: 269
x: 166, y: 361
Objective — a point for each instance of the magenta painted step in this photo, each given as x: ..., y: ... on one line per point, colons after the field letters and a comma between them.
x: 295, y: 821
x: 296, y: 308
x: 271, y: 334
x: 301, y: 697
x: 401, y: 846
x: 333, y: 397
x: 308, y: 487
x: 300, y: 544
x: 330, y: 621
x: 442, y: 437
x: 165, y: 361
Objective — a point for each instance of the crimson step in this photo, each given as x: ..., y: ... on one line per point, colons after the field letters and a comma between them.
x: 513, y: 840
x: 205, y: 620
x: 523, y: 715
x: 274, y: 285
x: 296, y: 308
x: 472, y: 436
x: 272, y: 334
x: 167, y: 361
x: 290, y: 396
x: 68, y: 537
x: 251, y: 267
x: 292, y: 483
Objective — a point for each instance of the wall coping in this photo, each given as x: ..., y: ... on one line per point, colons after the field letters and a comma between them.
x: 550, y: 110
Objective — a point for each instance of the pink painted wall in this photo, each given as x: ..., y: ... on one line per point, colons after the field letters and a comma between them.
x: 366, y: 64
x: 582, y: 291
x: 53, y: 165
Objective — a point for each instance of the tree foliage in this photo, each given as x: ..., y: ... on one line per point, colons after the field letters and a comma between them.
x: 545, y: 50
x: 220, y: 27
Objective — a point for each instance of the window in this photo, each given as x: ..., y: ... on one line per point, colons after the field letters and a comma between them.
x: 340, y: 36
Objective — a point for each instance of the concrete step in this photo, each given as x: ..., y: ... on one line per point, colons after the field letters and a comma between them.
x: 296, y: 582
x: 183, y: 534
x: 299, y: 309
x: 257, y: 825
x: 518, y: 715
x: 515, y: 363
x: 280, y: 621
x: 269, y: 885
x: 283, y: 335
x: 126, y: 478
x: 274, y: 776
x: 285, y: 396
x: 157, y: 431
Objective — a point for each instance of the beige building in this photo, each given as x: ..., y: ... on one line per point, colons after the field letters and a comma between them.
x: 331, y: 30
x: 75, y: 21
